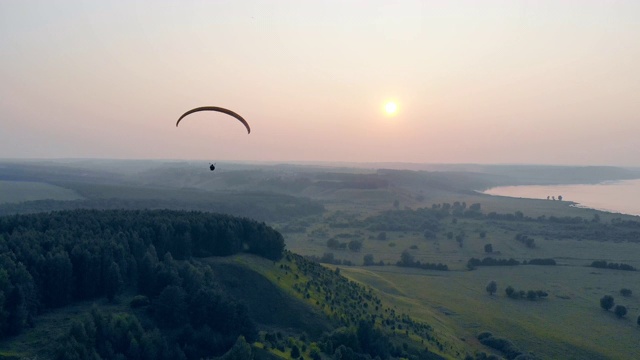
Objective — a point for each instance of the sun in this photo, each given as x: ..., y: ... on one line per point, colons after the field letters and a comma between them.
x: 391, y: 108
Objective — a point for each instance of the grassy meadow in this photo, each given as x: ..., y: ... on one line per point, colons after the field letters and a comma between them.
x: 568, y: 324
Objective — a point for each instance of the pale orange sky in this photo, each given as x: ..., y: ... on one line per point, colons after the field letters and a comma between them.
x: 544, y: 82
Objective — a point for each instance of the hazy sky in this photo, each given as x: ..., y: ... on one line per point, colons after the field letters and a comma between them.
x: 545, y: 82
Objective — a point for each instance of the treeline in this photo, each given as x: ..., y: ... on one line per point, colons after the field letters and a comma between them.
x: 367, y: 328
x: 547, y: 261
x: 50, y: 260
x: 426, y: 220
x: 353, y: 245
x: 422, y: 219
x: 429, y: 222
x: 528, y: 241
x: 489, y: 261
x: 407, y: 260
x: 522, y: 294
x: 256, y: 205
x: 329, y: 258
x: 505, y: 346
x: 566, y: 227
x: 458, y: 209
x: 601, y: 264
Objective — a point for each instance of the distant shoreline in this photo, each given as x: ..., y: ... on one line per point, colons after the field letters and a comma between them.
x: 612, y: 196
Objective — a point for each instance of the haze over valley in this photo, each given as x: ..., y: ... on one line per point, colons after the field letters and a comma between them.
x: 423, y: 244
x: 418, y: 180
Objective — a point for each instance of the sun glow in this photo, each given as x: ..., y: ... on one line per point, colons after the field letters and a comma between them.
x: 391, y: 108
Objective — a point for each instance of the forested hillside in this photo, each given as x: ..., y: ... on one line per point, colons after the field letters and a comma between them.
x: 182, y: 303
x: 50, y: 260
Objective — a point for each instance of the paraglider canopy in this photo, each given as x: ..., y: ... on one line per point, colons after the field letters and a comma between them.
x: 218, y: 109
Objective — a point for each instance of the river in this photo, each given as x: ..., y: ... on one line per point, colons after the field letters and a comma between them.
x: 613, y: 196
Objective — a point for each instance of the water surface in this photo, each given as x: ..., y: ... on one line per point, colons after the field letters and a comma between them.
x: 614, y: 196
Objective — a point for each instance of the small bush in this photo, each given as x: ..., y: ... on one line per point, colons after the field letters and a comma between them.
x: 509, y: 291
x: 625, y: 292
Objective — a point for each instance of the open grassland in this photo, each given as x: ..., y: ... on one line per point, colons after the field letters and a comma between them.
x: 569, y: 324
x: 442, y: 249
x: 19, y: 191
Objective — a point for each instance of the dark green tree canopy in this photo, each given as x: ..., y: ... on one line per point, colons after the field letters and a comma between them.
x: 606, y: 302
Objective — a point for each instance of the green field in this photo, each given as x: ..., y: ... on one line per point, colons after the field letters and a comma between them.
x: 19, y: 191
x: 568, y: 324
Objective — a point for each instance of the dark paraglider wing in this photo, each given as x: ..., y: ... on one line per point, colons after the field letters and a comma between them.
x: 219, y: 109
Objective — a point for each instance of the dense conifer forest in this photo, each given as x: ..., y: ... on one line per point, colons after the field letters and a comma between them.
x: 50, y: 260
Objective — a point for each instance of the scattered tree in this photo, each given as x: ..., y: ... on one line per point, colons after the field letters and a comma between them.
x: 509, y: 291
x: 542, y: 294
x: 406, y: 258
x: 460, y: 238
x: 625, y: 292
x: 488, y: 248
x: 607, y: 302
x: 602, y: 264
x: 492, y: 287
x: 355, y: 245
x: 368, y: 260
x: 620, y: 311
x: 529, y: 242
x: 333, y: 243
x: 429, y: 234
